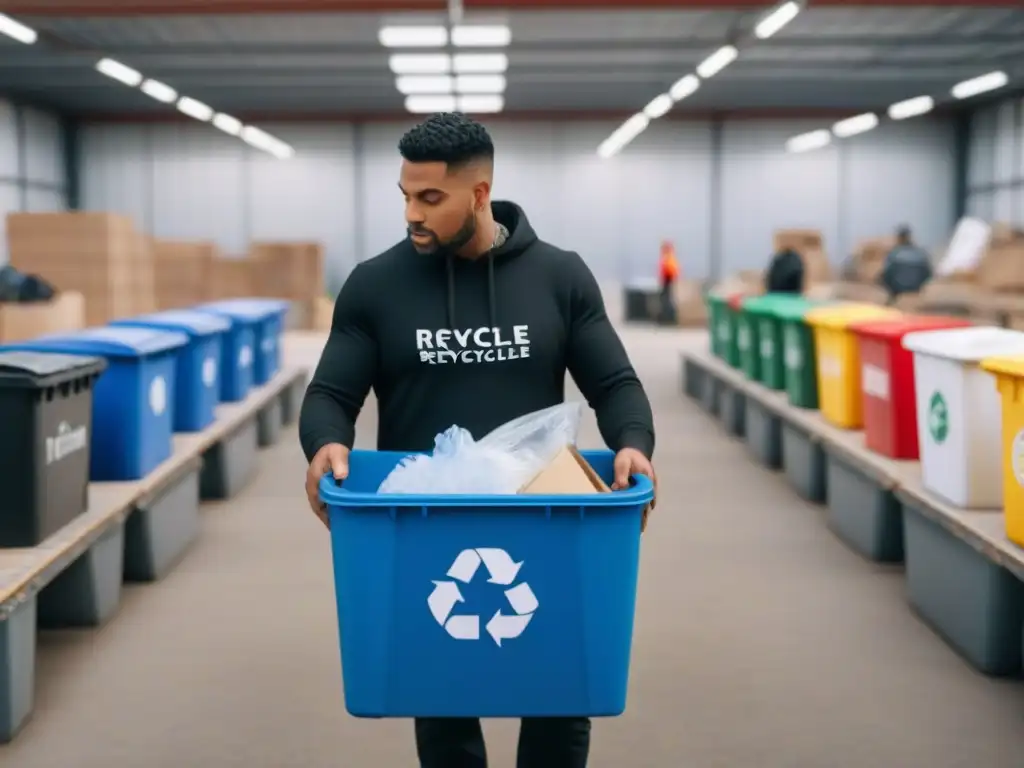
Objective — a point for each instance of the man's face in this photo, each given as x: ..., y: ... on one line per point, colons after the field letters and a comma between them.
x: 439, y: 206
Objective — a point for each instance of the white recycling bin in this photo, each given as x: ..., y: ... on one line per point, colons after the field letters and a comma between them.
x: 959, y: 419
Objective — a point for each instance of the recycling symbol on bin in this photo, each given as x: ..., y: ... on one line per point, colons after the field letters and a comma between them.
x: 938, y: 418
x: 502, y: 570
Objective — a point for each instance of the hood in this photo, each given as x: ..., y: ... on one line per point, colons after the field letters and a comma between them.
x: 520, y: 237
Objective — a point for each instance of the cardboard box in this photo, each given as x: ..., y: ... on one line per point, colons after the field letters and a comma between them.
x: 288, y: 270
x: 20, y: 322
x: 323, y: 313
x: 1002, y: 267
x: 182, y: 272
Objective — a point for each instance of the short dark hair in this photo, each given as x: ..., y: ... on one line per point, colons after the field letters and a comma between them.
x: 447, y: 137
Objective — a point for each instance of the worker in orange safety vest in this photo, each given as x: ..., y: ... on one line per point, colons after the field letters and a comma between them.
x: 668, y: 274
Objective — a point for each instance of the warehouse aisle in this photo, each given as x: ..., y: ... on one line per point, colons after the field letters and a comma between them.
x: 760, y: 641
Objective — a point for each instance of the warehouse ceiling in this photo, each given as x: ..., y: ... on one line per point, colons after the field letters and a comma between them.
x: 601, y: 60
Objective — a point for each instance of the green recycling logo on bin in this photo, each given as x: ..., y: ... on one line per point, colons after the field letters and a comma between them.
x: 938, y: 418
x: 502, y: 570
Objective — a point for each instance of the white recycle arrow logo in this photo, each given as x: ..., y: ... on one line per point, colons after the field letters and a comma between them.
x: 503, y: 571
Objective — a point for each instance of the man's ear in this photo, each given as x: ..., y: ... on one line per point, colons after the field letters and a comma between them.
x: 481, y: 195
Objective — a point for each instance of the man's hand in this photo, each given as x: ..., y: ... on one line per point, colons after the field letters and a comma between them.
x: 333, y: 457
x: 629, y: 462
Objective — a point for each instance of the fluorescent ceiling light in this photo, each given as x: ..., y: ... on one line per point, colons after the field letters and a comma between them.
x: 624, y: 134
x: 683, y: 87
x: 413, y: 37
x: 17, y: 30
x: 487, y: 84
x: 420, y: 63
x: 410, y: 85
x: 228, y: 124
x: 851, y: 126
x: 482, y: 103
x: 918, y: 105
x: 262, y: 140
x: 480, y: 63
x: 717, y: 61
x: 159, y: 91
x: 658, y: 106
x: 118, y: 71
x: 195, y: 109
x: 805, y: 142
x: 428, y: 104
x: 776, y: 20
x: 982, y: 84
x: 482, y: 36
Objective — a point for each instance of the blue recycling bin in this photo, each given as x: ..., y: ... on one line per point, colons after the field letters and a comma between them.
x: 266, y: 318
x: 484, y: 606
x: 236, y: 354
x: 132, y: 408
x: 196, y: 377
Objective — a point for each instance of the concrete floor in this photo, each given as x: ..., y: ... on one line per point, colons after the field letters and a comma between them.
x: 761, y: 641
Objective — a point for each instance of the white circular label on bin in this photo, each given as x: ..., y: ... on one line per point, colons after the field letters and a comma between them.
x: 767, y: 348
x: 245, y: 356
x: 158, y: 395
x: 1017, y: 457
x: 875, y: 381
x: 723, y: 330
x: 938, y: 418
x: 793, y: 357
x: 508, y: 622
x: 267, y: 345
x: 743, y: 337
x: 209, y: 371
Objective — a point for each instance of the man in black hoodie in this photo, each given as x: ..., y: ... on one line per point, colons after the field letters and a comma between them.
x: 472, y: 321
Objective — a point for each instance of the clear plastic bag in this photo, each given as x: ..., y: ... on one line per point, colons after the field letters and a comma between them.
x: 501, y: 462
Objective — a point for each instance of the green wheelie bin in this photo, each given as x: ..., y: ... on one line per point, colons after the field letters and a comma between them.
x: 722, y: 326
x: 799, y: 366
x: 765, y: 362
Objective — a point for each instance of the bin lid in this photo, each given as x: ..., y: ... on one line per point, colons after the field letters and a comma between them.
x: 718, y: 297
x: 773, y: 303
x: 246, y: 310
x: 841, y: 316
x: 186, y: 321
x: 966, y: 345
x: 1006, y: 365
x: 891, y: 329
x: 110, y: 341
x: 26, y: 368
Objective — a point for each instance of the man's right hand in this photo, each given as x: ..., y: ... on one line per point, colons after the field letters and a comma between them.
x: 333, y: 458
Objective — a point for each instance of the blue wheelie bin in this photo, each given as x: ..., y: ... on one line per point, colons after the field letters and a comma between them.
x: 132, y: 408
x: 196, y: 378
x: 484, y: 606
x: 266, y: 318
x: 236, y: 352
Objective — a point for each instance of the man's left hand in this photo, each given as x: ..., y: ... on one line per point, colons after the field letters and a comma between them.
x: 629, y: 462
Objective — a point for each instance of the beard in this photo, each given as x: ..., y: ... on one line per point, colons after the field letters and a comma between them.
x: 446, y: 247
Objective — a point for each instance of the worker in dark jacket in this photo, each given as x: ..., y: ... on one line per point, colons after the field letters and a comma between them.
x: 785, y: 273
x: 907, y: 267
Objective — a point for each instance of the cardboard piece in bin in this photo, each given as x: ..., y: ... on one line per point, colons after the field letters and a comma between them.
x: 567, y: 473
x: 570, y: 473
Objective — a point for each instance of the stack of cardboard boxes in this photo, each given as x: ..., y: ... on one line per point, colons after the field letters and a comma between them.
x: 98, y: 255
x: 183, y: 271
x: 293, y: 271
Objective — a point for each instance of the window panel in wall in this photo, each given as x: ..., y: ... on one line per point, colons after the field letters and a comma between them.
x: 115, y: 169
x: 666, y: 181
x: 309, y: 197
x: 981, y: 149
x: 40, y: 200
x: 8, y: 141
x: 10, y: 202
x: 198, y: 186
x: 765, y: 188
x: 1005, y: 160
x: 900, y: 173
x: 44, y: 148
x: 980, y: 205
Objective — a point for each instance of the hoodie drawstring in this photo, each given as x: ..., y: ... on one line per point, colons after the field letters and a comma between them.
x: 491, y: 291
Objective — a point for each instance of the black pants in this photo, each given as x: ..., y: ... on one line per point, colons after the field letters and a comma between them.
x: 555, y: 742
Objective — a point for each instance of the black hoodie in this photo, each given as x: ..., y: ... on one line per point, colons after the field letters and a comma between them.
x: 474, y: 343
